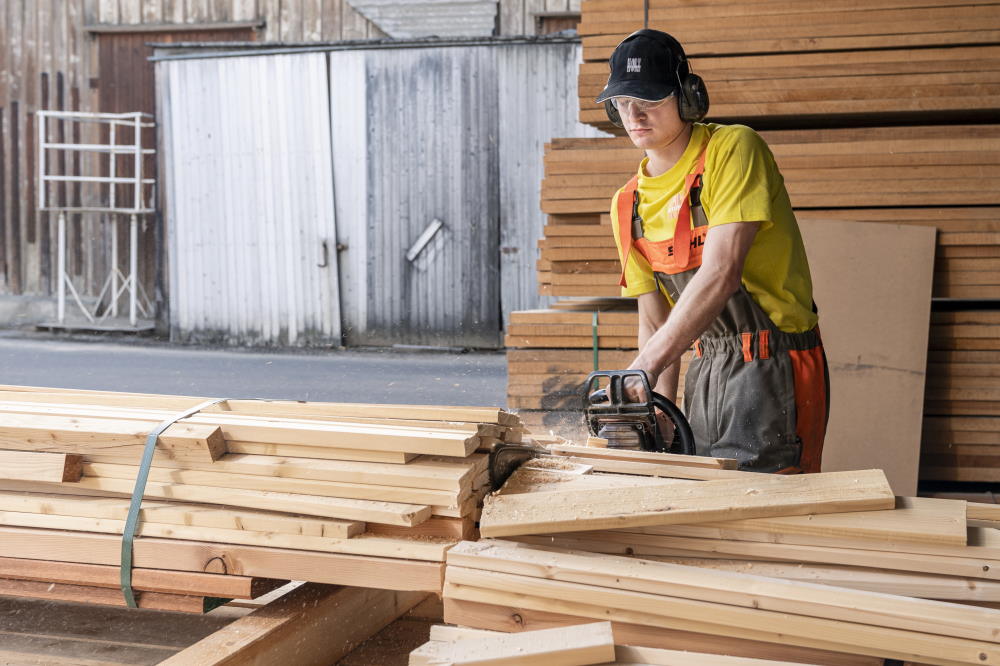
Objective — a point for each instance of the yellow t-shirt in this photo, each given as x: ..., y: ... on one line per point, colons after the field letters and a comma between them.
x: 741, y: 184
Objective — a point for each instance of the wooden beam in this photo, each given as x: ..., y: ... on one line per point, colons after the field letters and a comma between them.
x: 312, y: 625
x: 145, y: 580
x: 672, y: 503
x: 255, y: 561
x: 37, y: 466
x: 578, y: 645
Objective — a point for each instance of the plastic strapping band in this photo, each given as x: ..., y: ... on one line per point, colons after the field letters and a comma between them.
x: 132, y: 521
x: 597, y: 365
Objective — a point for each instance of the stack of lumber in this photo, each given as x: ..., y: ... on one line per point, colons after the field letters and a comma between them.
x: 366, y: 495
x: 768, y: 63
x: 824, y: 568
x: 864, y: 175
x: 882, y: 175
x: 961, y: 439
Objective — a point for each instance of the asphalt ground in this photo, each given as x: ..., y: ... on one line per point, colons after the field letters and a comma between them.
x: 370, y: 376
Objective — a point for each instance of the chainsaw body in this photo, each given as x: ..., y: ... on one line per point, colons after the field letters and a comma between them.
x: 630, y: 424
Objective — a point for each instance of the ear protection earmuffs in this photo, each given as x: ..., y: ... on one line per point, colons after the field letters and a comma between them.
x: 692, y: 95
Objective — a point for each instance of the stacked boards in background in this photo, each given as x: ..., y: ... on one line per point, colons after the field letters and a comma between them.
x: 866, y: 124
x: 768, y: 64
x: 962, y: 412
x: 347, y: 494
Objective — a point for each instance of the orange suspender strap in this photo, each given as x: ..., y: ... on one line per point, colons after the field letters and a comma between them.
x: 626, y: 202
x: 747, y: 340
x: 682, y: 229
x: 763, y: 344
x: 697, y: 348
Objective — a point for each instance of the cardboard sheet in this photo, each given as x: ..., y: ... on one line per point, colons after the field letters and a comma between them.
x: 872, y: 284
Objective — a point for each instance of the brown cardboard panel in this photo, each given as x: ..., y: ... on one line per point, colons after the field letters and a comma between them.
x: 872, y: 283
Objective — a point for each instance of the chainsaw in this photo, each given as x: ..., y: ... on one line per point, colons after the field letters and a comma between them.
x: 626, y: 424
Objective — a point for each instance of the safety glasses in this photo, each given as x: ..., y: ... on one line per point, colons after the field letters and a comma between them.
x: 632, y: 105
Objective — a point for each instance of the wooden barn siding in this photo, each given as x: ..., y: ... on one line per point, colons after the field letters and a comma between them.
x: 48, y: 59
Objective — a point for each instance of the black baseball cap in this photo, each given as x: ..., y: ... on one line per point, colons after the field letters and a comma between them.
x: 647, y: 65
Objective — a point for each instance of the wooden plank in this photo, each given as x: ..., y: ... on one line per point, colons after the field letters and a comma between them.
x: 172, y: 513
x: 916, y: 519
x: 312, y: 625
x: 83, y: 435
x: 907, y: 584
x: 99, y: 595
x: 516, y: 617
x: 279, y: 408
x: 658, y: 470
x: 425, y: 548
x: 645, y: 456
x: 390, y: 513
x: 564, y: 646
x: 293, y: 451
x: 280, y: 484
x: 643, y: 545
x: 288, y: 431
x: 625, y: 654
x: 147, y: 580
x: 670, y: 503
x: 36, y: 466
x: 429, y: 472
x: 258, y: 561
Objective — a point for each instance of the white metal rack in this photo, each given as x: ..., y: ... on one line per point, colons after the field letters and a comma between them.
x: 104, y: 199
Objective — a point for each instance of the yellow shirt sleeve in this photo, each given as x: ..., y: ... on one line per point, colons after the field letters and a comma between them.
x: 638, y: 272
x: 743, y: 178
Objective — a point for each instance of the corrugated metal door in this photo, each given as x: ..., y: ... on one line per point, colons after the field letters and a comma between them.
x: 250, y: 228
x: 127, y: 84
x: 421, y: 224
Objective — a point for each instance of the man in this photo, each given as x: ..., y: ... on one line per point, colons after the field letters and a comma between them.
x: 710, y: 247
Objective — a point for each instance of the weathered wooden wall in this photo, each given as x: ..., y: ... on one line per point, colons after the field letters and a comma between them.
x: 50, y: 55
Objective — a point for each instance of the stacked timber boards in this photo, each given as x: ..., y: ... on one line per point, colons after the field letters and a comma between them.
x: 366, y: 495
x: 675, y: 565
x: 962, y: 411
x: 768, y: 63
x: 946, y: 177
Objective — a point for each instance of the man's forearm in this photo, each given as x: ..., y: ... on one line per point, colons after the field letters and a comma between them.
x: 653, y: 314
x: 700, y: 304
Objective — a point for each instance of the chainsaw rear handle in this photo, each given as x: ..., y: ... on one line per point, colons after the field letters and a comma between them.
x: 614, y: 395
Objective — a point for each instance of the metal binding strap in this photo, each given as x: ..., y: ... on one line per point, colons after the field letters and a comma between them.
x: 132, y: 521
